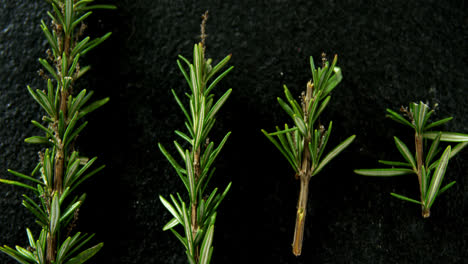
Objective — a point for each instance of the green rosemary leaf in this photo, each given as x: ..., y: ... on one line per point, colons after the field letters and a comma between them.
x: 207, y: 180
x: 172, y: 223
x: 91, y: 45
x: 216, y: 81
x: 40, y: 215
x: 433, y: 149
x: 217, y: 151
x: 281, y: 150
x: 42, y: 99
x: 218, y: 66
x: 82, y: 241
x: 48, y: 168
x: 14, y: 254
x: 218, y: 104
x: 322, y: 107
x: 20, y: 175
x: 190, y: 257
x: 68, y: 15
x: 300, y: 125
x: 200, y: 125
x: 394, y: 163
x: 52, y: 41
x: 190, y: 175
x: 171, y: 209
x: 220, y: 198
x: 75, y: 133
x: 398, y: 118
x: 332, y: 154
x: 421, y: 116
x: 437, y: 123
x: 27, y: 254
x: 187, y: 78
x: 384, y: 172
x: 187, y: 227
x: 37, y: 140
x: 325, y: 140
x: 47, y: 130
x: 59, y: 16
x: 54, y: 214
x: 80, y: 46
x: 285, y: 131
x: 111, y: 7
x: 180, y: 150
x: 206, y: 248
x: 70, y: 127
x: 40, y: 246
x: 93, y: 106
x: 447, y: 136
x: 405, y: 198
x: 85, y: 255
x: 83, y: 169
x: 68, y: 212
x: 181, y: 239
x: 78, y: 21
x: 168, y: 156
x: 64, y: 195
x: 184, y: 136
x: 288, y: 148
x: 87, y: 176
x: 425, y: 176
x: 70, y: 172
x: 288, y: 94
x: 177, y: 206
x: 63, y: 249
x: 73, y: 66
x: 405, y: 152
x: 286, y: 107
x: 458, y: 148
x: 315, y: 78
x: 445, y: 188
x: 437, y: 177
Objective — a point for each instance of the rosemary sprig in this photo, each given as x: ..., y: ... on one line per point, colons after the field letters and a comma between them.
x: 429, y: 169
x: 61, y: 169
x: 303, y: 144
x: 197, y: 215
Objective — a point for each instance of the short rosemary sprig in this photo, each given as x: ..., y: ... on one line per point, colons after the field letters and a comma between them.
x: 303, y: 144
x: 429, y: 169
x: 60, y: 169
x: 197, y: 216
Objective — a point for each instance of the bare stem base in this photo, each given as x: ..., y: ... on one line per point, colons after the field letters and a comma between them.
x: 300, y: 217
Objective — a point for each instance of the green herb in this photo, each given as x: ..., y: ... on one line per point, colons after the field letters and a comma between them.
x: 197, y: 215
x: 60, y: 169
x: 429, y: 169
x: 304, y: 143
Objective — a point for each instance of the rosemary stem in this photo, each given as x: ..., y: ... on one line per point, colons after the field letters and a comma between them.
x: 418, y: 139
x: 301, y: 216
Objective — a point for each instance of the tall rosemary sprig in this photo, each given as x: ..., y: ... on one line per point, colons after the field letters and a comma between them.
x: 303, y: 144
x: 197, y: 216
x: 61, y: 169
x: 429, y: 170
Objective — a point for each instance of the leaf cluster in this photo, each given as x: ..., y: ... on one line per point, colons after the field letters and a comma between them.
x: 196, y: 169
x: 431, y: 168
x: 56, y: 207
x: 306, y: 135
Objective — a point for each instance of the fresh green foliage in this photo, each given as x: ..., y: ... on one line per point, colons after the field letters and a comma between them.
x: 60, y: 169
x: 430, y: 170
x: 197, y: 216
x: 304, y: 143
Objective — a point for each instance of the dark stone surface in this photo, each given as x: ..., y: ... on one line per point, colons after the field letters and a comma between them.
x: 390, y: 52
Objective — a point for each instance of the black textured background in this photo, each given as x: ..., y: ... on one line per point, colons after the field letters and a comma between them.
x: 390, y: 52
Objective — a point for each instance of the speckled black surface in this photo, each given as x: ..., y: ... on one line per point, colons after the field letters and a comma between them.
x: 390, y: 52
